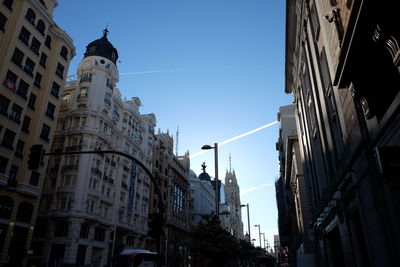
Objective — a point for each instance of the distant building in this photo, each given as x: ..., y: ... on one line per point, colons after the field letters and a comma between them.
x: 202, y: 196
x: 294, y: 207
x: 34, y: 58
x: 232, y: 198
x: 94, y: 203
x: 172, y: 173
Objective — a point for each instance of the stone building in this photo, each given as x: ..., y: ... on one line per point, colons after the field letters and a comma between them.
x: 294, y: 206
x: 232, y: 199
x: 93, y: 205
x: 172, y: 174
x: 342, y: 67
x: 202, y: 196
x: 34, y: 58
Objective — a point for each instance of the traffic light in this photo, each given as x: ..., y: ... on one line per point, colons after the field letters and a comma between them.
x: 155, y: 225
x: 35, y: 157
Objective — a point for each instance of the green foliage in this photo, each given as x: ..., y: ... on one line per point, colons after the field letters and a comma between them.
x: 211, y: 241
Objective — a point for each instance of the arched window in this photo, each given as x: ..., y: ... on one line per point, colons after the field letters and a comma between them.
x: 6, y: 206
x: 30, y: 16
x: 64, y: 52
x: 47, y: 42
x: 24, y: 213
x: 40, y: 26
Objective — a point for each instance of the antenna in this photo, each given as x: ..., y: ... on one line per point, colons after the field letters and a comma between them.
x: 230, y: 163
x: 177, y: 141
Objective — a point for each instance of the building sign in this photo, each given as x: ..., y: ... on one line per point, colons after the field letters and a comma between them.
x: 132, y: 186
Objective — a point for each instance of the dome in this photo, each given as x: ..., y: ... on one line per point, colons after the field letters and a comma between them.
x: 102, y: 47
x: 204, y: 176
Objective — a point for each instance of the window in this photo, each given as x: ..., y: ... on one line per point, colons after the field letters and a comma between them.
x: 109, y: 84
x: 61, y: 229
x: 42, y: 60
x: 17, y: 57
x: 32, y: 101
x: 86, y: 77
x: 84, y: 230
x: 15, y: 114
x: 24, y: 213
x: 4, y: 102
x: 34, y: 180
x: 35, y: 46
x: 55, y: 89
x: 40, y: 26
x: 22, y: 89
x: 44, y: 134
x: 29, y: 66
x: 38, y: 79
x: 8, y: 139
x: 107, y: 98
x: 47, y: 42
x: 3, y: 20
x: 8, y: 4
x: 83, y: 92
x: 24, y: 35
x: 25, y: 124
x: 60, y: 71
x: 3, y: 167
x: 81, y: 255
x: 50, y: 110
x: 12, y: 176
x: 99, y: 234
x: 11, y: 80
x: 19, y: 149
x: 64, y: 52
x: 30, y: 16
x: 66, y: 98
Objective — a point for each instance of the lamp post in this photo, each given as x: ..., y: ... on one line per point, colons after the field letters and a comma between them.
x: 259, y: 233
x: 248, y: 218
x: 215, y: 147
x: 264, y: 239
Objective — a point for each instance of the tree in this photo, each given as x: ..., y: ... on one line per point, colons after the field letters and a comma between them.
x: 211, y: 242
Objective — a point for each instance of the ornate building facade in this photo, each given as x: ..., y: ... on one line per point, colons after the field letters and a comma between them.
x: 232, y: 199
x: 202, y: 196
x: 93, y: 205
x: 172, y: 174
x: 34, y: 58
x: 342, y: 67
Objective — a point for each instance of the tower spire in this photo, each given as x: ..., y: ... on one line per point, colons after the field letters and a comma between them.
x: 230, y: 163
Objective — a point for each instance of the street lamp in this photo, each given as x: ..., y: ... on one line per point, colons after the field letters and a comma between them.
x: 264, y: 239
x: 215, y: 147
x: 259, y: 233
x: 248, y: 218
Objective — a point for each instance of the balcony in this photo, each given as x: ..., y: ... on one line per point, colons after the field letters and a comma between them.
x: 73, y: 148
x: 69, y: 168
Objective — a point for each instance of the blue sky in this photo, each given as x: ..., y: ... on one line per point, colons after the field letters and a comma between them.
x: 215, y: 68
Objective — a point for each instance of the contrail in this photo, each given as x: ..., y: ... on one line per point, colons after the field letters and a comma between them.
x: 150, y: 71
x: 254, y: 188
x: 237, y: 137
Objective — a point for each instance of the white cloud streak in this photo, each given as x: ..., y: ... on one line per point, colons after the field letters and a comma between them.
x: 151, y: 71
x: 254, y: 188
x: 236, y: 138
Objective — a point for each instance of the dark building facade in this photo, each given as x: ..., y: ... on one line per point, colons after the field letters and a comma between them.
x: 342, y: 67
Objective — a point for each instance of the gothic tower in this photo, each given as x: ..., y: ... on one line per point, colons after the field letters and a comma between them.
x: 232, y: 197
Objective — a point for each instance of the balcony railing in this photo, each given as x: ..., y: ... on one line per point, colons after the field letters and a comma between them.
x: 69, y: 168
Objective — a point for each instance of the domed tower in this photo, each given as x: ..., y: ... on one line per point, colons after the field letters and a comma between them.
x: 98, y: 75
